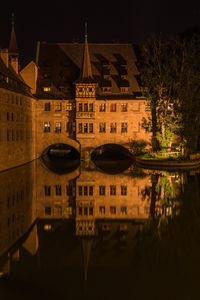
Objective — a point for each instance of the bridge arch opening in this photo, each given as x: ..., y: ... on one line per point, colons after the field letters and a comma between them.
x: 61, y: 158
x: 112, y: 158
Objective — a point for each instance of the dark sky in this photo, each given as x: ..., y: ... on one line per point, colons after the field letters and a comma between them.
x: 108, y: 21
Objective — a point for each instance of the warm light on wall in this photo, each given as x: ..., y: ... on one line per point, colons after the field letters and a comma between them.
x: 46, y: 89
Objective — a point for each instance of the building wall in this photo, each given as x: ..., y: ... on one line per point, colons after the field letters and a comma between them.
x: 17, y: 139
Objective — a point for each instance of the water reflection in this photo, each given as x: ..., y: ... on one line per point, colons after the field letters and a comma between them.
x: 72, y: 228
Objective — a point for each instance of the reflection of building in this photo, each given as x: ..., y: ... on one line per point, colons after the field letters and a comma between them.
x: 16, y: 110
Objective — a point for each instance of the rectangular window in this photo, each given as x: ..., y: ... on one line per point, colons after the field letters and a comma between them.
x: 80, y: 128
x: 102, y: 190
x: 7, y: 116
x: 123, y: 190
x: 58, y: 107
x: 68, y: 106
x: 80, y: 211
x: 124, y: 127
x: 58, y: 190
x: 91, y: 211
x: 58, y: 126
x: 113, y: 210
x: 91, y: 107
x: 46, y: 89
x: 113, y: 127
x: 85, y: 127
x: 124, y: 107
x: 85, y: 107
x: 47, y: 210
x: 102, y: 127
x: 123, y: 210
x: 113, y: 190
x: 58, y: 210
x: 90, y: 190
x: 102, y: 210
x: 80, y: 190
x: 113, y: 107
x: 47, y: 190
x: 8, y: 135
x: 47, y: 126
x: 90, y: 127
x: 102, y: 107
x: 80, y: 107
x: 85, y: 211
x: 85, y: 188
x: 47, y: 106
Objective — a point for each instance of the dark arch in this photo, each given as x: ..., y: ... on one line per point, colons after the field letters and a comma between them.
x: 112, y: 158
x: 61, y: 158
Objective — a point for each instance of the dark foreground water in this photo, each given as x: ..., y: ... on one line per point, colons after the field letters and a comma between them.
x: 89, y: 234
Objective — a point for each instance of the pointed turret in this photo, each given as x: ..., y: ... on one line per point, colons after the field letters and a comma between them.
x: 86, y: 72
x: 86, y: 85
x: 13, y: 48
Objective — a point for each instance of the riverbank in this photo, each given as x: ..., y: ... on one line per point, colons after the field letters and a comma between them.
x: 167, y: 163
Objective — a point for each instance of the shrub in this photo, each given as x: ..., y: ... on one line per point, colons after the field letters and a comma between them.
x: 138, y: 147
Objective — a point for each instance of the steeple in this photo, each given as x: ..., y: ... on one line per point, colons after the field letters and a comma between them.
x: 86, y: 68
x: 13, y: 49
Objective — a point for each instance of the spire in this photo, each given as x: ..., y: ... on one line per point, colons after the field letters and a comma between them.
x: 13, y: 49
x: 86, y: 68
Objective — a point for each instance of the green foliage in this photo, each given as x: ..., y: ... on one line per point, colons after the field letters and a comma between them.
x: 138, y: 147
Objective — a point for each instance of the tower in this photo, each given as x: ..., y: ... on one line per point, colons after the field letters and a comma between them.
x: 86, y: 87
x: 13, y: 48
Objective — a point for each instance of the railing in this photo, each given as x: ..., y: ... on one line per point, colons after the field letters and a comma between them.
x: 85, y: 114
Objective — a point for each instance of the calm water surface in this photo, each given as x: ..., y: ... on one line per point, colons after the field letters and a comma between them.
x: 89, y: 234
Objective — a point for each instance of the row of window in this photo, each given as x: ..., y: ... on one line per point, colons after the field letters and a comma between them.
x: 85, y: 211
x: 13, y: 99
x: 16, y: 134
x: 84, y: 190
x: 85, y: 107
x: 86, y: 127
x: 11, y: 201
x: 58, y: 106
x: 58, y: 210
x: 10, y: 116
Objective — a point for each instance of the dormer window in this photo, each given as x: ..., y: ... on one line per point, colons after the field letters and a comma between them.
x: 106, y: 89
x: 47, y: 89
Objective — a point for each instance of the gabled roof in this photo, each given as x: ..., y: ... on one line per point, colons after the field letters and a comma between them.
x: 61, y: 63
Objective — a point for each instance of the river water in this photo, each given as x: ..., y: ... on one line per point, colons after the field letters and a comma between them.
x: 90, y: 234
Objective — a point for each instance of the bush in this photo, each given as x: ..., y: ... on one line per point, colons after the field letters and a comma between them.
x: 138, y: 147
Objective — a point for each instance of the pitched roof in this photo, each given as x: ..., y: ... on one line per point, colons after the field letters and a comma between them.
x: 13, y: 48
x: 60, y: 66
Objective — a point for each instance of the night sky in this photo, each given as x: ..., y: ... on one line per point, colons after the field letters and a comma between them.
x: 63, y: 21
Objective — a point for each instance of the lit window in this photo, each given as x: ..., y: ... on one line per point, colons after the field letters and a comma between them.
x: 47, y: 227
x: 69, y: 211
x: 46, y: 89
x: 123, y: 190
x: 124, y: 107
x: 113, y: 190
x: 47, y: 106
x: 58, y: 127
x: 102, y: 107
x: 124, y: 127
x: 124, y: 89
x: 58, y: 107
x: 113, y: 127
x: 47, y: 126
x: 113, y: 107
x: 102, y: 127
x: 69, y: 106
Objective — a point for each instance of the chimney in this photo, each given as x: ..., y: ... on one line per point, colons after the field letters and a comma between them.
x: 4, y: 56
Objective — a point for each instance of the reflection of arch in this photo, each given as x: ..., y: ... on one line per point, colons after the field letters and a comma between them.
x: 115, y: 149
